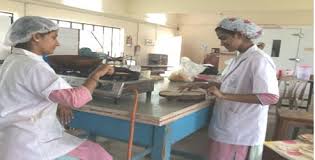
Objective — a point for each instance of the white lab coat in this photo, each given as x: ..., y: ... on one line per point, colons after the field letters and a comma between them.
x: 29, y: 128
x: 239, y: 123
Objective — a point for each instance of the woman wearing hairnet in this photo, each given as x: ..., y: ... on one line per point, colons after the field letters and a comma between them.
x: 238, y: 124
x: 31, y: 91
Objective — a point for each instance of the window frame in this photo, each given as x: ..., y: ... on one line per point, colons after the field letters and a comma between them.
x: 9, y: 14
x: 94, y: 26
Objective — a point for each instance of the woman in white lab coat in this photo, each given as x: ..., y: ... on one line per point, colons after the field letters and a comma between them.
x: 238, y: 124
x: 30, y: 93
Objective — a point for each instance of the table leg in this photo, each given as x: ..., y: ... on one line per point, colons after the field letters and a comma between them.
x: 148, y: 96
x: 92, y: 136
x: 277, y: 129
x: 309, y: 98
x: 281, y: 129
x: 270, y: 154
x: 161, y: 149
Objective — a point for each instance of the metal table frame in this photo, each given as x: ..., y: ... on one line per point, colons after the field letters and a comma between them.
x: 157, y: 140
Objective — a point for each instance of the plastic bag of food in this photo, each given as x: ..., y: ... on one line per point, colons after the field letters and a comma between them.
x: 186, y: 71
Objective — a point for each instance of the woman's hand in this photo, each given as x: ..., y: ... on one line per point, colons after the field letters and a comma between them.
x: 188, y: 87
x: 192, y: 86
x: 92, y: 82
x: 213, y: 90
x: 102, y: 70
x: 64, y: 114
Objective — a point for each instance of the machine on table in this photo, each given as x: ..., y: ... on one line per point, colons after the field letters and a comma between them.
x: 76, y: 69
x: 112, y: 88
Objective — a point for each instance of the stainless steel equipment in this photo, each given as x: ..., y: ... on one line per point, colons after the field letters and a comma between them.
x: 114, y: 89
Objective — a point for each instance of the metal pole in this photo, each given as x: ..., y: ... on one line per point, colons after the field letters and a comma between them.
x: 297, y: 59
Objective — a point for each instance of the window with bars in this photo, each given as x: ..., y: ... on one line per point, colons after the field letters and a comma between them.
x: 103, y: 39
x: 6, y: 19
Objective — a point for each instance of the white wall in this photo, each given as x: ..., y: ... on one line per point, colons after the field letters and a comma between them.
x: 146, y: 31
x: 289, y: 45
x: 197, y: 30
x: 170, y: 44
x: 194, y: 37
x: 306, y: 51
x: 16, y: 8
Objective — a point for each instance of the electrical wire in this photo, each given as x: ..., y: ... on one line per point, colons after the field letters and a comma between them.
x: 132, y: 123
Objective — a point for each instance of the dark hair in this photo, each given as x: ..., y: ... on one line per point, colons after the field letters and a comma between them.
x: 219, y: 29
x: 27, y: 45
x: 232, y: 33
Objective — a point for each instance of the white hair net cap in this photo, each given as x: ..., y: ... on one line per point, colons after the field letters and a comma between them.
x: 21, y: 30
x: 244, y: 26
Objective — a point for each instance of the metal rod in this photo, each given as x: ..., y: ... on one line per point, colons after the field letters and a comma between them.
x: 97, y: 41
x: 297, y: 50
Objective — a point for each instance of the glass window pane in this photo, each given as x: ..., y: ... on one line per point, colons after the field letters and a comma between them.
x: 5, y: 23
x: 98, y: 38
x: 108, y: 40
x: 77, y: 25
x: 87, y: 40
x: 64, y: 24
x: 122, y: 40
x: 116, y: 43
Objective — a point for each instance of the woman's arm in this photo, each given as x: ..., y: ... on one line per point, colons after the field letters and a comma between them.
x: 216, y: 84
x: 64, y: 114
x: 200, y: 85
x: 264, y: 99
x: 74, y: 97
x: 267, y: 98
x: 94, y: 77
x: 245, y: 98
x: 79, y: 96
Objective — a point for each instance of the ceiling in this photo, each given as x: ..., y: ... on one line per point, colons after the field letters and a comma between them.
x: 266, y: 11
x: 282, y: 12
x: 215, y: 6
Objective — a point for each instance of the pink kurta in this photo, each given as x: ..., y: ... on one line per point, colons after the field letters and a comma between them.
x: 77, y: 97
x: 224, y: 151
x: 90, y: 151
x: 267, y: 99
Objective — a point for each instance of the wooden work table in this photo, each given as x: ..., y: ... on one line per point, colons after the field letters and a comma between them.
x: 299, y: 149
x: 159, y: 122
